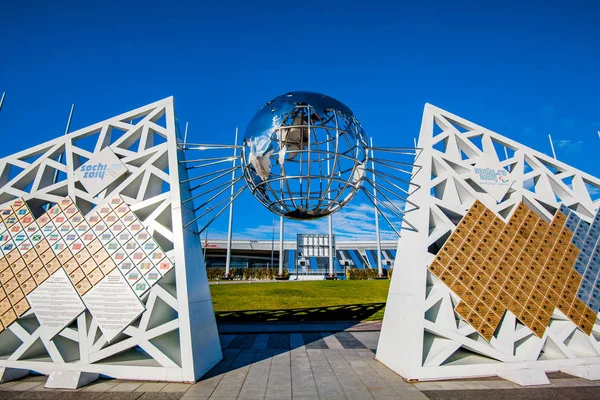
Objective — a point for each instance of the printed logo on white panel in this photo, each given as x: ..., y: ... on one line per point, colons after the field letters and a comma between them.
x: 494, y: 179
x: 100, y: 171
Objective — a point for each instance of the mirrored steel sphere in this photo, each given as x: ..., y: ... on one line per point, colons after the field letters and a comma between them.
x: 304, y: 155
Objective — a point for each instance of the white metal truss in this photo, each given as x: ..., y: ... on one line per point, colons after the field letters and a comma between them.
x: 175, y: 338
x: 422, y: 337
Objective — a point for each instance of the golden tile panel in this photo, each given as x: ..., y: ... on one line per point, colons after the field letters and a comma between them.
x: 524, y: 265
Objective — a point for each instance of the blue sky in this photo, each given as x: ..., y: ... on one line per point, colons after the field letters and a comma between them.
x: 522, y: 69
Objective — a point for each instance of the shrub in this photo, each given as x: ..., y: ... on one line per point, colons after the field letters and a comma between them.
x: 365, y: 274
x: 245, y: 274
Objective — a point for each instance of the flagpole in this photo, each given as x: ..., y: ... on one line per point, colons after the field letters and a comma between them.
x: 2, y: 100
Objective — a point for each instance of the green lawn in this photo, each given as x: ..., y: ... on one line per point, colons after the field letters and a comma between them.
x: 300, y: 301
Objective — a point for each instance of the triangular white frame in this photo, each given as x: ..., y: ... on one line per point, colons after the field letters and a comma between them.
x: 421, y: 347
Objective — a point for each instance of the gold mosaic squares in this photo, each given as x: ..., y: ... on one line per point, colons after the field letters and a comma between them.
x: 524, y: 265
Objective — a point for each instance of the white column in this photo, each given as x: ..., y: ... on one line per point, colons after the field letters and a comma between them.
x: 230, y: 231
x: 281, y: 246
x: 379, y: 261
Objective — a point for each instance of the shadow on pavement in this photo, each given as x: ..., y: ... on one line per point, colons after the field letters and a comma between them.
x: 249, y: 348
x: 350, y: 312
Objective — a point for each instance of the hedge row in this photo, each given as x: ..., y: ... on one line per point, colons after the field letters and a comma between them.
x: 366, y: 274
x: 244, y: 274
x: 247, y: 274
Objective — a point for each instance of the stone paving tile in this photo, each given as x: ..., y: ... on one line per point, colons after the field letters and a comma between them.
x: 252, y: 392
x: 78, y: 395
x: 297, y: 342
x: 314, y: 341
x: 348, y: 340
x: 175, y: 387
x: 237, y: 341
x: 261, y: 342
x: 278, y: 391
x: 119, y: 396
x: 125, y: 387
x: 331, y: 341
x: 38, y: 395
x: 569, y: 382
x: 225, y: 340
x: 559, y: 393
x: 100, y: 386
x: 367, y: 338
x: 42, y: 388
x: 20, y: 386
x: 34, y: 378
x: 161, y: 396
x: 501, y: 384
x: 198, y: 391
x: 151, y: 387
x: 7, y: 384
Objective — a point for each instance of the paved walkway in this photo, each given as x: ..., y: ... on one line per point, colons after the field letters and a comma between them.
x: 305, y: 366
x: 284, y: 327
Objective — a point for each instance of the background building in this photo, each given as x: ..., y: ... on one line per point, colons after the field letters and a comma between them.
x: 265, y: 254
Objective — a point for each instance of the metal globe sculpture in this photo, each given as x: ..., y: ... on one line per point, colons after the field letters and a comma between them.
x: 304, y: 155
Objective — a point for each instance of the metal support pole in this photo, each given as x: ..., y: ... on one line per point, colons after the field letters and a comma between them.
x: 66, y: 133
x: 552, y: 146
x: 2, y: 100
x: 272, y: 241
x: 331, y: 274
x: 230, y: 230
x: 206, y: 218
x: 185, y: 134
x: 281, y: 246
x: 330, y: 220
x: 379, y: 261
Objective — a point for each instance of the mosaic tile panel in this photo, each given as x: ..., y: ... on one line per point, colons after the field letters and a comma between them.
x: 88, y: 249
x: 586, y: 238
x: 525, y: 266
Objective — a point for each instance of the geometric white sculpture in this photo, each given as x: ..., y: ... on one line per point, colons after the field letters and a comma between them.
x: 175, y: 338
x: 422, y: 337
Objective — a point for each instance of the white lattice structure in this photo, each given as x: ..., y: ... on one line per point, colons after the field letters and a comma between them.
x: 422, y: 337
x: 175, y: 338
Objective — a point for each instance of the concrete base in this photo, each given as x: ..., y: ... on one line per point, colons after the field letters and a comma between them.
x: 11, y: 374
x: 281, y: 278
x: 589, y: 372
x: 330, y: 278
x: 525, y: 377
x: 70, y: 379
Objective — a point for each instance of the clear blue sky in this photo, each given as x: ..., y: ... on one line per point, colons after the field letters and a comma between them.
x: 523, y: 69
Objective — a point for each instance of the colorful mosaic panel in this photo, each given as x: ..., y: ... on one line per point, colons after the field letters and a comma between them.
x: 525, y: 266
x: 88, y: 249
x: 586, y: 238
